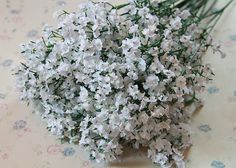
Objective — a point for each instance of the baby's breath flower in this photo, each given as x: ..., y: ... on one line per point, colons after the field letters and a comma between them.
x: 109, y: 74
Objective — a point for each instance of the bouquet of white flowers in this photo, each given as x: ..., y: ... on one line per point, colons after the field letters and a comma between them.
x: 110, y: 76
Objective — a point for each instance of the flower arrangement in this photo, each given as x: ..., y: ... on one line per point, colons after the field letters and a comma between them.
x: 110, y: 76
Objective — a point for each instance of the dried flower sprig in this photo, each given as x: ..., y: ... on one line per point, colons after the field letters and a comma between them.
x: 127, y: 74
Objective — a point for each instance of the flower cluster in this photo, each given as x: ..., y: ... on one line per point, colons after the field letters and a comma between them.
x: 109, y: 76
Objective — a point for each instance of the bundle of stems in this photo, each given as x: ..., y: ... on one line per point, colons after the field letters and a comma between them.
x: 205, y: 10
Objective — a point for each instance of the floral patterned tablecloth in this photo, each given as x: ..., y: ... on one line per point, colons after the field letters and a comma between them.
x: 24, y: 141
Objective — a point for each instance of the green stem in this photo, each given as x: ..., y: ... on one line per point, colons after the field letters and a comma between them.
x: 120, y: 6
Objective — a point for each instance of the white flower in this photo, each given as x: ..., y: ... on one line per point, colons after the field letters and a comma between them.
x: 63, y: 68
x: 128, y: 44
x: 114, y: 17
x: 62, y: 48
x: 161, y: 159
x: 132, y: 75
x: 135, y: 43
x: 166, y: 45
x: 128, y: 127
x: 185, y: 39
x: 152, y: 20
x: 97, y: 44
x: 158, y: 112
x: 143, y: 11
x: 142, y: 64
x: 176, y: 23
x: 133, y: 29
x: 181, y: 81
x: 152, y: 82
x: 168, y: 73
x: 185, y: 14
x: 150, y: 31
x: 134, y: 92
x: 167, y: 33
x: 143, y: 117
x: 83, y: 94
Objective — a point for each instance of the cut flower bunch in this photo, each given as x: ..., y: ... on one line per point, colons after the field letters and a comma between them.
x: 110, y: 76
